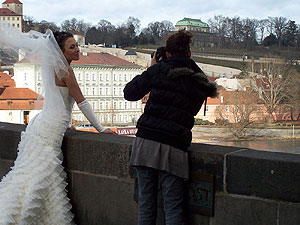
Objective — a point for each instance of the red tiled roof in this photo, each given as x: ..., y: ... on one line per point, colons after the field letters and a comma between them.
x: 101, y: 59
x: 12, y: 1
x: 4, y: 76
x: 6, y: 81
x: 7, y: 12
x: 96, y: 59
x: 18, y: 94
x: 19, y: 104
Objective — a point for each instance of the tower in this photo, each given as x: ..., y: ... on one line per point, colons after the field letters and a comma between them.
x: 14, y: 5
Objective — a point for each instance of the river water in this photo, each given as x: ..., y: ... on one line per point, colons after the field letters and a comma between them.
x: 276, y: 145
x: 278, y: 140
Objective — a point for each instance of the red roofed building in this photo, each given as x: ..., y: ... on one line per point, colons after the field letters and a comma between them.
x: 6, y: 80
x: 12, y: 13
x: 17, y: 105
x: 101, y: 78
x: 103, y: 59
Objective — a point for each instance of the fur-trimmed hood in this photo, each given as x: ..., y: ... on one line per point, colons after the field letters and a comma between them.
x: 210, y: 88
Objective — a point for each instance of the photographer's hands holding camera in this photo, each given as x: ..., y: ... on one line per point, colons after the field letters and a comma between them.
x: 153, y: 59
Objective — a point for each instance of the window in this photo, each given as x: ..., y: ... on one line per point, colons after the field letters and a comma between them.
x: 87, y: 91
x: 93, y: 91
x: 18, y: 25
x: 18, y: 18
x: 106, y: 105
x: 79, y: 76
x: 87, y: 76
x: 206, y: 108
x: 120, y: 105
x: 107, y: 78
x: 100, y: 90
x: 125, y: 77
x: 115, y: 77
x: 120, y: 77
x: 101, y: 105
x: 93, y: 77
x: 100, y: 76
x: 115, y: 105
x: 13, y: 18
x: 25, y: 76
x: 115, y: 91
x: 125, y: 105
x: 106, y: 91
x: 227, y: 108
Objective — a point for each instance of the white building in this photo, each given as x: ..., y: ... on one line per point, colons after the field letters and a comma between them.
x: 102, y: 78
x: 17, y: 105
x: 12, y: 13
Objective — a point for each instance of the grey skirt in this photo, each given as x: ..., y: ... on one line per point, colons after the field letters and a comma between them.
x: 159, y: 156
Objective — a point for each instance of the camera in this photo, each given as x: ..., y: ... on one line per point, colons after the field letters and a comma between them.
x: 160, y: 52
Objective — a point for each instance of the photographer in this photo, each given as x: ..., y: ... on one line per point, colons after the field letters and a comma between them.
x: 178, y: 88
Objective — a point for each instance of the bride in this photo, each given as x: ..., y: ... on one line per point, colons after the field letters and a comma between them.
x: 33, y: 192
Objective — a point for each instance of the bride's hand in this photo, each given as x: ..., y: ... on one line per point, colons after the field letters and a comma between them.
x: 109, y: 131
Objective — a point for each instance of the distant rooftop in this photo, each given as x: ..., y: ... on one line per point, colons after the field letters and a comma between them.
x: 192, y: 22
x: 12, y: 93
x: 7, y: 12
x: 130, y: 52
x: 12, y: 1
x: 101, y: 59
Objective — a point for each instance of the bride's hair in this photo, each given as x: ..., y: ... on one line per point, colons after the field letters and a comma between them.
x: 61, y: 37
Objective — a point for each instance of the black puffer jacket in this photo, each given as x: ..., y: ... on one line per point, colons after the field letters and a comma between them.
x: 178, y: 88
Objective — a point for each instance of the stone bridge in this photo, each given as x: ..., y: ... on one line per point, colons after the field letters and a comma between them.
x: 229, y: 186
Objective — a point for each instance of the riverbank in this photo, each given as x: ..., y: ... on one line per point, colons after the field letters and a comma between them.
x: 277, y: 140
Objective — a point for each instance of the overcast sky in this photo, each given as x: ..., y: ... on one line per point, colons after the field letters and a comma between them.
x: 117, y: 11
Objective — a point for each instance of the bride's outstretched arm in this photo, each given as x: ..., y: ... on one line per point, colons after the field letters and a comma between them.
x: 82, y: 103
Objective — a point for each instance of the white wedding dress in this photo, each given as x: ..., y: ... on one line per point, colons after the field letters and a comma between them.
x: 33, y: 192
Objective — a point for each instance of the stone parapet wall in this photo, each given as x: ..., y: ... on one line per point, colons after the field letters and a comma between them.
x: 251, y: 187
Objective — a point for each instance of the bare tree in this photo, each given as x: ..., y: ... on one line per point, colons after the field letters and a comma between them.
x: 293, y: 93
x: 262, y: 25
x: 270, y: 80
x: 279, y: 24
x: 219, y: 25
x: 240, y: 109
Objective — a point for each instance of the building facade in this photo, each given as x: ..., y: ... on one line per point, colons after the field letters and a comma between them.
x: 190, y: 24
x: 200, y: 30
x: 17, y: 105
x: 102, y: 78
x: 12, y: 13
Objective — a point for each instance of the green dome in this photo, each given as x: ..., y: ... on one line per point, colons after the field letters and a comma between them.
x: 192, y: 22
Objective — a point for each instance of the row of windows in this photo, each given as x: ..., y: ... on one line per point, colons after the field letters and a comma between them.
x: 103, y: 91
x: 14, y: 25
x: 106, y: 77
x: 115, y: 105
x: 10, y: 18
x: 108, y: 118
